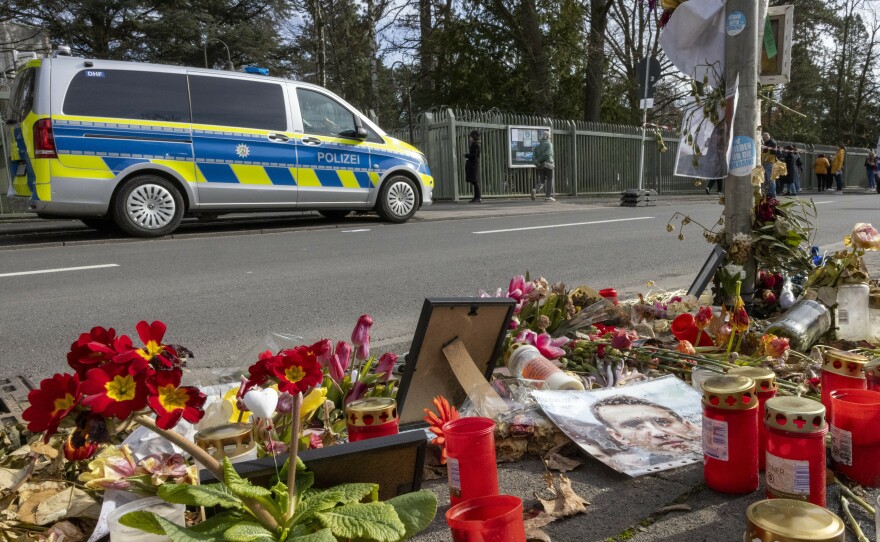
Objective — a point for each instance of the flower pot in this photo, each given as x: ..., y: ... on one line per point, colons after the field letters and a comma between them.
x: 684, y: 328
x: 121, y: 533
x: 495, y: 518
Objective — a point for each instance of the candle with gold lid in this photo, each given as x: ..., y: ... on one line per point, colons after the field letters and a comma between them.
x: 730, y: 434
x: 796, y: 430
x: 786, y: 520
x: 765, y: 388
x: 370, y: 418
x: 841, y: 370
x: 232, y: 440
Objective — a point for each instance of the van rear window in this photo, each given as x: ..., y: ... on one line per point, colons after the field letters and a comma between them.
x: 22, y: 95
x: 242, y: 103
x: 128, y: 94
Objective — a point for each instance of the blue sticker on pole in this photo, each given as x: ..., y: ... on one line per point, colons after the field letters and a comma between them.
x: 736, y: 22
x: 742, y: 156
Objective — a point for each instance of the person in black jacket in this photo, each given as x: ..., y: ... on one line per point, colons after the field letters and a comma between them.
x: 472, y: 166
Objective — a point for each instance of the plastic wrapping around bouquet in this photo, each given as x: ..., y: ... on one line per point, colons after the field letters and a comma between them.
x: 855, y: 440
x: 121, y: 533
x: 684, y: 328
x: 494, y: 518
x: 470, y: 458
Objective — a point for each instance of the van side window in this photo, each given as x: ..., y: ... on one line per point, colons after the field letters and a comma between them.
x: 128, y: 94
x: 322, y: 115
x: 241, y: 103
x: 23, y: 95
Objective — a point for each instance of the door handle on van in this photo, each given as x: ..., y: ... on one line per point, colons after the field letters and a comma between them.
x: 311, y: 141
x: 281, y: 138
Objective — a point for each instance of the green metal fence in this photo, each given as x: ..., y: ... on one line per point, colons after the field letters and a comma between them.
x: 591, y: 158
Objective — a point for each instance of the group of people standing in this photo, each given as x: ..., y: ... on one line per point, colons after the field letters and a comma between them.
x: 788, y: 184
x: 830, y: 172
x: 542, y: 157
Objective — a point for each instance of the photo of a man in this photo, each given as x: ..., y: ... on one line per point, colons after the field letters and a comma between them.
x: 645, y: 427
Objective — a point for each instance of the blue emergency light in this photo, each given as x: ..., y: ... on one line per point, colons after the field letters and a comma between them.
x: 256, y: 69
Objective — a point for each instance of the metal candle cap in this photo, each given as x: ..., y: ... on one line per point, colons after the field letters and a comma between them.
x: 765, y: 379
x: 730, y: 392
x: 216, y: 440
x: 794, y: 414
x: 787, y: 520
x: 371, y: 411
x: 843, y: 363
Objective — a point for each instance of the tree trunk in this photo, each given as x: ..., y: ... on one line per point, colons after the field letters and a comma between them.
x: 595, y: 68
x: 321, y: 53
x: 426, y: 52
x: 539, y: 74
x: 372, y: 21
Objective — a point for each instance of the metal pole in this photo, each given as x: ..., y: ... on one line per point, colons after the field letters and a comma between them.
x: 644, y: 121
x: 741, y: 60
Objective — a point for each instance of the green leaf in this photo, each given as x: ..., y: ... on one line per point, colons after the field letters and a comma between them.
x: 375, y: 521
x: 281, y: 495
x: 217, y: 525
x: 415, y: 510
x: 246, y: 490
x: 151, y: 523
x: 304, y: 481
x: 230, y: 476
x: 208, y: 495
x: 353, y: 493
x: 317, y: 501
x: 324, y: 535
x: 248, y: 532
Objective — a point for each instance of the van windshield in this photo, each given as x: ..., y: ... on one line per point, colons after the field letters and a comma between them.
x: 22, y: 95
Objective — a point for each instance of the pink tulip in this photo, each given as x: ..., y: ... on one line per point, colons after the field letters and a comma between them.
x: 343, y: 352
x: 323, y: 349
x: 517, y: 286
x: 360, y: 337
x: 337, y: 373
x: 703, y: 317
x: 546, y: 345
x: 622, y: 339
x: 356, y: 392
x: 386, y: 365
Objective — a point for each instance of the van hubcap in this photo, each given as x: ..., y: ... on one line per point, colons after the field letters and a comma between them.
x: 151, y: 206
x: 401, y: 198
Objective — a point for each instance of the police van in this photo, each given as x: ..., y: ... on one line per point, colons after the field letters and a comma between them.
x: 143, y: 145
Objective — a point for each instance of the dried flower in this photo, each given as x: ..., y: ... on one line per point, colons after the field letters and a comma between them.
x: 774, y: 346
x: 685, y: 347
x: 110, y: 469
x: 703, y: 317
x: 864, y: 236
x: 622, y: 339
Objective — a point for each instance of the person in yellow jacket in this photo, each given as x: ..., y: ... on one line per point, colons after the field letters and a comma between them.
x: 822, y: 167
x: 837, y: 167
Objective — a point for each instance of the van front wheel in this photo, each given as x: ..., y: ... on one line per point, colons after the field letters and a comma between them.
x: 398, y: 199
x: 148, y: 206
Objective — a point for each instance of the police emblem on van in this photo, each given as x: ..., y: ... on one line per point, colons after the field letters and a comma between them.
x: 339, y: 158
x: 242, y: 150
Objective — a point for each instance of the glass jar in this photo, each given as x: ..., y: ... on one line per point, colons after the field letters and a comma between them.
x: 765, y: 388
x: 803, y: 324
x: 851, y: 318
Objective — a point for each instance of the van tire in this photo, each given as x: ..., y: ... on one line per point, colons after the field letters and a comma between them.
x: 103, y: 225
x: 398, y: 199
x: 334, y: 214
x: 148, y: 206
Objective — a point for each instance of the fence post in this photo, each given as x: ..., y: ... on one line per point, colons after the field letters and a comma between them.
x: 453, y: 154
x: 574, y: 158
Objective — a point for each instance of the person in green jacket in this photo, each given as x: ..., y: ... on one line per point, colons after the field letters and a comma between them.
x: 543, y: 159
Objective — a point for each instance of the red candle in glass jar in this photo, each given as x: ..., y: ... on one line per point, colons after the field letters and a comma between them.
x: 841, y: 370
x: 796, y: 430
x: 610, y: 294
x: 730, y: 434
x: 765, y: 388
x: 370, y: 418
x: 872, y: 374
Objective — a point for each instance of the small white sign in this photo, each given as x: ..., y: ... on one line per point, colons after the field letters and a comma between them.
x: 742, y: 156
x: 646, y: 103
x: 736, y: 22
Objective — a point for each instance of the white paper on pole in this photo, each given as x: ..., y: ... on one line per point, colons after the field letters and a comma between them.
x: 646, y: 103
x: 694, y: 37
x: 714, y: 141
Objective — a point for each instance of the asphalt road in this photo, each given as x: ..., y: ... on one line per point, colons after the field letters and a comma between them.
x: 221, y: 293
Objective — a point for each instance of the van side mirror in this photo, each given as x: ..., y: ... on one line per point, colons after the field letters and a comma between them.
x: 362, y: 132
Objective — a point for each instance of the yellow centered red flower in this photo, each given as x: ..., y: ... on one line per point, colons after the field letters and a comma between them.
x: 171, y: 401
x: 297, y: 371
x: 52, y: 402
x: 117, y: 389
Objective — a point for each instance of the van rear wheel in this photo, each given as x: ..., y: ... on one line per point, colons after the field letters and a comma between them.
x: 148, y: 206
x: 398, y: 199
x: 334, y: 214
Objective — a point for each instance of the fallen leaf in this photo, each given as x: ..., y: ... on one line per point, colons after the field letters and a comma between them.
x: 42, y: 448
x: 27, y: 510
x: 565, y: 502
x: 10, y: 477
x: 29, y: 488
x: 561, y: 463
x: 675, y: 508
x: 533, y: 521
x: 70, y: 503
x: 64, y: 531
